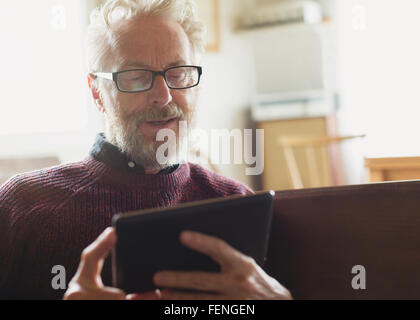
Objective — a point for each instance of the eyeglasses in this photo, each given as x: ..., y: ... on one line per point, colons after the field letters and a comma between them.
x: 141, y: 80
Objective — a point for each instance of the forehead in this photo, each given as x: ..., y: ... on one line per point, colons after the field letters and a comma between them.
x: 153, y: 42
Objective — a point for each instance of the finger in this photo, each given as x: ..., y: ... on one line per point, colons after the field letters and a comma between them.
x: 109, y: 293
x: 217, y: 249
x: 179, y: 295
x: 153, y: 295
x: 202, y: 281
x: 79, y: 293
x: 93, y: 256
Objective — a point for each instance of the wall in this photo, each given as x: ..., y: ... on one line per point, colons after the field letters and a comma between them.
x: 33, y: 108
x: 379, y: 76
x: 228, y: 82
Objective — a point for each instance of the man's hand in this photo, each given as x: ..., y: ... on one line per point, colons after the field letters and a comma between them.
x: 240, y: 276
x: 87, y: 283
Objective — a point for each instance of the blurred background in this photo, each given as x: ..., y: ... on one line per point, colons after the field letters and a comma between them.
x: 333, y: 84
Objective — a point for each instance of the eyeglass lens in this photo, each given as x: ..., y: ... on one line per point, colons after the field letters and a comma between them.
x: 142, y: 80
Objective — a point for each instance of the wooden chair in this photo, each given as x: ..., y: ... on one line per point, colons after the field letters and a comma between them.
x: 322, y: 159
x: 12, y: 166
x: 393, y: 169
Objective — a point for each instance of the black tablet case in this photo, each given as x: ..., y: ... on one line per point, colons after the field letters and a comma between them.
x: 148, y: 241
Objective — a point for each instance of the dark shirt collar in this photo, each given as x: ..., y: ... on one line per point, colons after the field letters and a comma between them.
x: 104, y: 151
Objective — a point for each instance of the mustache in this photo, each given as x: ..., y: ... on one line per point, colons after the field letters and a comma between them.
x: 157, y: 114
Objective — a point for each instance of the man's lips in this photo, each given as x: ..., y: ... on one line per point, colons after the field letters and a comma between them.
x: 161, y: 122
x: 159, y: 125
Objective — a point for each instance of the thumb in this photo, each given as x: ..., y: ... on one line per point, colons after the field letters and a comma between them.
x: 93, y: 257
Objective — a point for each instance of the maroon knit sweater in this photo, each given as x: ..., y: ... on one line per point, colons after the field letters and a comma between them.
x: 48, y: 217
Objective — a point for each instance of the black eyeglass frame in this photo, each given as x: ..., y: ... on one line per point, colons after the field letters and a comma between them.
x: 114, y: 77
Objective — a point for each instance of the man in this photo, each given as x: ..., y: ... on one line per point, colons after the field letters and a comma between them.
x: 144, y: 78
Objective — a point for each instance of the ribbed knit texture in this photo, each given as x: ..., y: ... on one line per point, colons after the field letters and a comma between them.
x: 49, y: 216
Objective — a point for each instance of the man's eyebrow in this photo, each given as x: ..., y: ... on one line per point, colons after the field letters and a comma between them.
x: 180, y: 62
x: 134, y: 64
x: 143, y: 65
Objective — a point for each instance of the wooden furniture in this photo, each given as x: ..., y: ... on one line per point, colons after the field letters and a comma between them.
x: 393, y: 169
x: 209, y: 14
x: 310, y: 144
x: 276, y: 175
x: 12, y: 166
x: 319, y: 235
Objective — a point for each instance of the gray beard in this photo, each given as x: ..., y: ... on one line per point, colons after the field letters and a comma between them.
x: 123, y: 131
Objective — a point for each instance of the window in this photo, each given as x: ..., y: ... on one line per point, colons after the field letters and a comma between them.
x: 43, y: 82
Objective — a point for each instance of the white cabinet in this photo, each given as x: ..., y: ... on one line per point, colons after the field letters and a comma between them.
x: 294, y: 71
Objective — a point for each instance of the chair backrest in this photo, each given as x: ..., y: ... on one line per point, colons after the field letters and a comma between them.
x: 321, y: 158
x: 319, y: 235
x: 11, y: 166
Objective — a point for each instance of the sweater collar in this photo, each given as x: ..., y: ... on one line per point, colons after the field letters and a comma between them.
x: 104, y: 151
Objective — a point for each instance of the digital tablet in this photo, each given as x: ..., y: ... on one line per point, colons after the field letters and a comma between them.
x: 148, y: 240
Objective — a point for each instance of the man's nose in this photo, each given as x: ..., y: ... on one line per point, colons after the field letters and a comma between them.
x: 160, y: 94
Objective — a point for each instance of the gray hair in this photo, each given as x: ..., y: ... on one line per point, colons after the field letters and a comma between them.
x: 104, y: 19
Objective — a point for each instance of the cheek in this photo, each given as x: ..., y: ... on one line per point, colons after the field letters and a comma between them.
x: 109, y: 96
x: 186, y: 100
x: 131, y: 102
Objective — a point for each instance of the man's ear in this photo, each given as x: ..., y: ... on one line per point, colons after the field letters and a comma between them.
x: 96, y: 93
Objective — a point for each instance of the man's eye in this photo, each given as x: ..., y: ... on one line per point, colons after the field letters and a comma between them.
x: 140, y: 78
x: 177, y: 76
